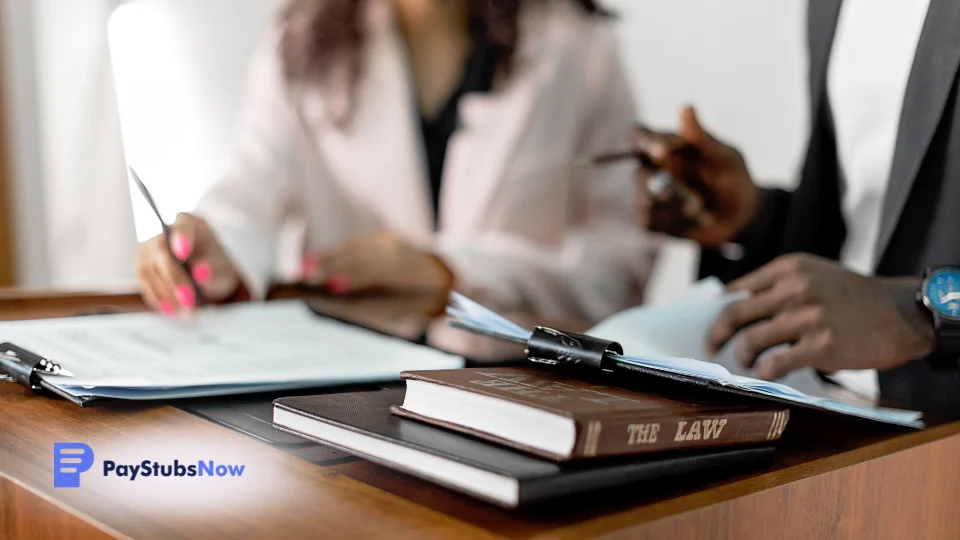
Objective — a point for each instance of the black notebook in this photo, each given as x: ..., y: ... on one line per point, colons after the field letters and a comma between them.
x: 360, y: 423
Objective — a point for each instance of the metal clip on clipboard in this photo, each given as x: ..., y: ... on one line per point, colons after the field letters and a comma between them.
x: 556, y: 347
x: 27, y: 369
x: 553, y: 347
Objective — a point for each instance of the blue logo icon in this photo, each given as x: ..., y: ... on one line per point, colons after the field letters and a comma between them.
x: 69, y: 460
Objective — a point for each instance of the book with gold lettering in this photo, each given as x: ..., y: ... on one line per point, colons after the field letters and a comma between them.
x: 562, y: 416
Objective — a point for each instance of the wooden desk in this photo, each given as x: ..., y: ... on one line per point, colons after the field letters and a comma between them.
x: 833, y: 478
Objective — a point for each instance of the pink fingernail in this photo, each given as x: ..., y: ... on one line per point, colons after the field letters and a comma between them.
x: 202, y: 273
x: 166, y: 307
x: 338, y: 284
x: 310, y: 265
x: 186, y: 296
x: 181, y: 247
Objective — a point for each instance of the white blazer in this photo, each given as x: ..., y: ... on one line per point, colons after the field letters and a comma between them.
x: 522, y: 227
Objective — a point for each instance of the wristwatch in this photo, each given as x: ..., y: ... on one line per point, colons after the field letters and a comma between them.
x: 940, y: 293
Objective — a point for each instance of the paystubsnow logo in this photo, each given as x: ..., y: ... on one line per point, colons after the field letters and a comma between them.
x: 71, y: 459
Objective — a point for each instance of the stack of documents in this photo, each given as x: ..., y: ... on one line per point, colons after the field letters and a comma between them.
x: 670, y: 339
x: 230, y: 350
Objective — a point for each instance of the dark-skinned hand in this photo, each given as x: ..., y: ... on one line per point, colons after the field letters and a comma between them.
x: 722, y: 198
x: 832, y: 319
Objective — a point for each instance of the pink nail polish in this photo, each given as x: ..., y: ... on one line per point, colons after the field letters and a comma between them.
x: 338, y: 284
x: 310, y: 265
x: 181, y: 247
x: 166, y: 307
x: 186, y: 296
x: 202, y: 273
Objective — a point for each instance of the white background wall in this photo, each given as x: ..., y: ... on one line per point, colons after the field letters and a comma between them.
x: 73, y: 217
x: 26, y: 194
x: 741, y: 62
x: 181, y: 70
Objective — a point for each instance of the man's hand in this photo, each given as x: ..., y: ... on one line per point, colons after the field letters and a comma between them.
x: 722, y: 198
x: 379, y: 262
x: 833, y: 318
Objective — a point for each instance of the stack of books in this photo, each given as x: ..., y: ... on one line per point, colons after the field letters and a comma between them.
x: 519, y: 436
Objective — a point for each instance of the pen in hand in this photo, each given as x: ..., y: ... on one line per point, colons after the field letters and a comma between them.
x: 662, y: 186
x: 201, y: 299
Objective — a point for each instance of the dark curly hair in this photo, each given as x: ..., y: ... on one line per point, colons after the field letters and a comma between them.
x: 317, y: 35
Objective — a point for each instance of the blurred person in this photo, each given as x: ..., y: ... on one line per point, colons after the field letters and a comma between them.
x: 836, y: 268
x: 425, y: 145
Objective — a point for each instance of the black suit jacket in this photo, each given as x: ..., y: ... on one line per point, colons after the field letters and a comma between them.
x: 920, y: 224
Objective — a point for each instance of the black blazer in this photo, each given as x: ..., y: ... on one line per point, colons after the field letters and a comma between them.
x: 920, y: 225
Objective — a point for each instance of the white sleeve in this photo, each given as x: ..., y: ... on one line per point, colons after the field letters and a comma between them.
x: 247, y: 206
x: 604, y: 262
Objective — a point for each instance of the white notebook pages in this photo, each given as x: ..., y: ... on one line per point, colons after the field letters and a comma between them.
x: 233, y: 349
x: 671, y: 338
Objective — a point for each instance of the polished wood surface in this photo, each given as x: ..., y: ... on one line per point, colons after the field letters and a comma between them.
x: 833, y: 478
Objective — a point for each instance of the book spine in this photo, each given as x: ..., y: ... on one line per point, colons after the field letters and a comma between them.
x: 618, y: 436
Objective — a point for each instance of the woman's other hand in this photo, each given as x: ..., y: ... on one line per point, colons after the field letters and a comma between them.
x: 163, y: 281
x: 379, y: 262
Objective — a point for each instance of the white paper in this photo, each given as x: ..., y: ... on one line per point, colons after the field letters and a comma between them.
x: 276, y: 344
x: 679, y: 330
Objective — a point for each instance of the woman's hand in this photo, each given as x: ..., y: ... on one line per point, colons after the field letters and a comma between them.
x: 163, y: 281
x: 379, y: 262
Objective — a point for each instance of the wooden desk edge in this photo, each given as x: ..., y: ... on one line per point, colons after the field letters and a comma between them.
x: 82, y: 524
x: 774, y: 479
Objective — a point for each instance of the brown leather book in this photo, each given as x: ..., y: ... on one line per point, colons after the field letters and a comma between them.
x: 550, y: 413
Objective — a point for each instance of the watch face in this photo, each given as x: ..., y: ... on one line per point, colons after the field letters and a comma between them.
x: 942, y: 292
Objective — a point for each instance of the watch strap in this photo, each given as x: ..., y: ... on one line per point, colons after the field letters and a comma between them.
x: 946, y: 356
x: 948, y: 338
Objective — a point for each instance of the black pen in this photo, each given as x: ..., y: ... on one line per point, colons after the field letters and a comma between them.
x: 661, y: 185
x: 610, y: 158
x: 201, y: 299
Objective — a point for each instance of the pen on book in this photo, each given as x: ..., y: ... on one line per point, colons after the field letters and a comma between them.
x: 660, y: 184
x: 167, y: 233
